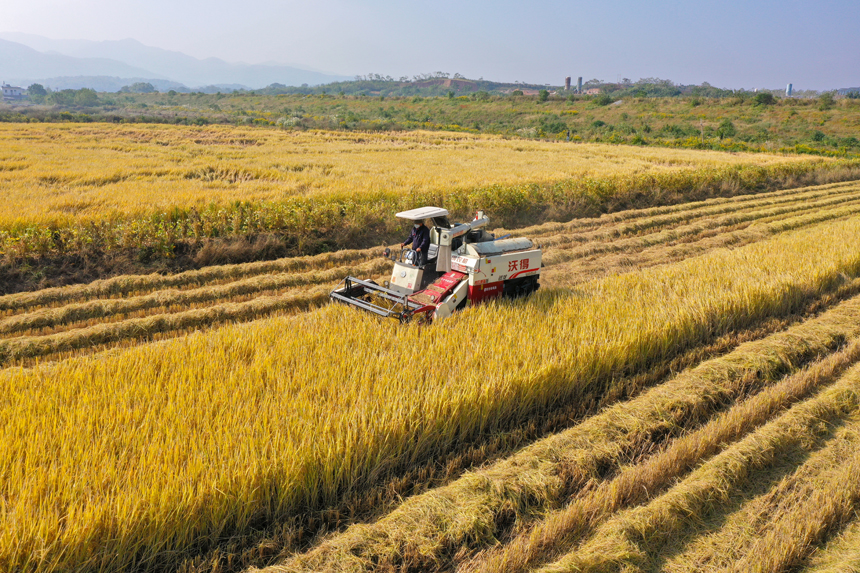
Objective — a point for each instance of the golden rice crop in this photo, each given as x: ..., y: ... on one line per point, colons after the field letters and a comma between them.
x: 113, y: 187
x: 124, y: 460
x: 93, y: 170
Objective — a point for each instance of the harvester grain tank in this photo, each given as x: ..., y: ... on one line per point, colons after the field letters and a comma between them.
x: 465, y: 265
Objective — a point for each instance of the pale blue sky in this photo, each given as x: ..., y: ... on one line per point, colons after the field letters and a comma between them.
x: 729, y: 43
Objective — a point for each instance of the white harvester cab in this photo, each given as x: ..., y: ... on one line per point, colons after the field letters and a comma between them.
x: 406, y: 276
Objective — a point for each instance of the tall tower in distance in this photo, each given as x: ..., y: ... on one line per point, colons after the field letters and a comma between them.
x: 788, y: 90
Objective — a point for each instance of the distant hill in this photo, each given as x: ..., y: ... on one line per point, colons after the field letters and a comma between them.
x: 150, y: 62
x: 19, y: 63
x: 104, y: 83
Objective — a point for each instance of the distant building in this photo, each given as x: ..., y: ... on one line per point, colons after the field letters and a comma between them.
x: 13, y: 92
x: 592, y: 91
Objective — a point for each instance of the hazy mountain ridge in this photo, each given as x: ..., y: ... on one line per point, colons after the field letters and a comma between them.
x: 26, y: 58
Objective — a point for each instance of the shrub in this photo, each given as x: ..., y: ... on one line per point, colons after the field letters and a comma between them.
x: 543, y: 95
x: 726, y: 129
x: 764, y: 98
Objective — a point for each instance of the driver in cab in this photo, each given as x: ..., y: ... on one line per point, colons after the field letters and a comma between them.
x: 419, y: 238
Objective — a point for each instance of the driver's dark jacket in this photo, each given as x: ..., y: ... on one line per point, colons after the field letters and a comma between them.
x: 419, y: 237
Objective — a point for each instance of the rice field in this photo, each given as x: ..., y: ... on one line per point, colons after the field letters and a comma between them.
x: 100, y: 188
x: 683, y: 393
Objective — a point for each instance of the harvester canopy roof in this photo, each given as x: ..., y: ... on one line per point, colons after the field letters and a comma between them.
x: 422, y: 213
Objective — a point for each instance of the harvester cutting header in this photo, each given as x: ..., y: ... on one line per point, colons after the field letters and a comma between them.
x: 463, y: 264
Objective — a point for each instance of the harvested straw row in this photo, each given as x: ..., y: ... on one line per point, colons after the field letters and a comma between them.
x: 783, y: 221
x: 785, y: 521
x: 691, y: 209
x: 809, y: 515
x: 633, y: 536
x: 24, y: 348
x: 730, y: 212
x: 638, y: 483
x: 69, y: 314
x: 126, y: 285
x: 463, y: 516
x: 841, y: 555
x: 559, y: 273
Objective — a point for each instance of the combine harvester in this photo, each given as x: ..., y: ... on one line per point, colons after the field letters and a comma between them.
x: 464, y: 264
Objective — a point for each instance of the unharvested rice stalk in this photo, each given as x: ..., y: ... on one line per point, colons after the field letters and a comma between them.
x: 156, y: 451
x: 91, y: 185
x: 464, y: 515
x: 627, y: 541
x: 638, y: 483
